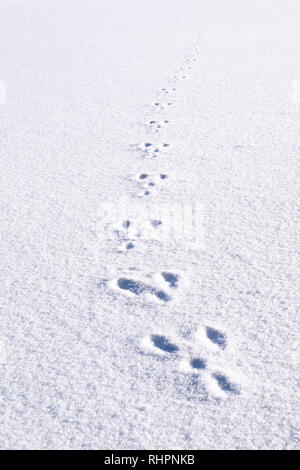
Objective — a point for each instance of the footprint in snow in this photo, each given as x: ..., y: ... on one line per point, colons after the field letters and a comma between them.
x: 162, y: 343
x: 155, y: 126
x: 216, y: 337
x: 149, y: 182
x: 150, y: 149
x: 200, y: 374
x: 127, y: 246
x: 157, y: 289
x: 131, y: 230
x: 161, y: 105
x: 165, y: 91
x: 138, y: 288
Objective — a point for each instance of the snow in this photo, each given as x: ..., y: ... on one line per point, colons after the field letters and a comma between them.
x: 130, y: 336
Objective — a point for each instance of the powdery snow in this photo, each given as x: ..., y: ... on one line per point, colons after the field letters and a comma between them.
x: 120, y: 327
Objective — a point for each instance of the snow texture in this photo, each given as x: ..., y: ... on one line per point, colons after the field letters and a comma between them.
x: 115, y: 332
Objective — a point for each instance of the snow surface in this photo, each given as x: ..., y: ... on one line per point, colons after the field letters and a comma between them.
x: 113, y: 337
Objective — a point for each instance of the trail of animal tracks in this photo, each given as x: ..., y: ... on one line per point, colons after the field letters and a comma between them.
x: 149, y: 203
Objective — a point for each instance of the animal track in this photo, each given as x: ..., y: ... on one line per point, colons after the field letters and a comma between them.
x: 198, y: 364
x: 201, y: 370
x: 138, y: 288
x: 155, y: 290
x: 172, y: 279
x: 160, y: 106
x: 149, y: 182
x: 165, y: 91
x: 139, y: 229
x: 151, y: 150
x: 127, y: 246
x: 213, y: 338
x: 216, y: 337
x: 156, y: 126
x: 161, y: 342
x: 164, y: 286
x: 177, y: 78
x: 225, y: 384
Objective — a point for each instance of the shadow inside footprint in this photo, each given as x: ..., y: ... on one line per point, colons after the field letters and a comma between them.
x: 139, y: 288
x: 172, y: 279
x: 199, y: 364
x: 126, y: 223
x: 225, y: 385
x: 161, y: 295
x: 216, y: 337
x: 164, y: 344
x: 133, y: 286
x: 156, y: 223
x: 129, y: 246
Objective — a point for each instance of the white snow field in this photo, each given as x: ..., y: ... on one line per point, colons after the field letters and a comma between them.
x: 115, y: 333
